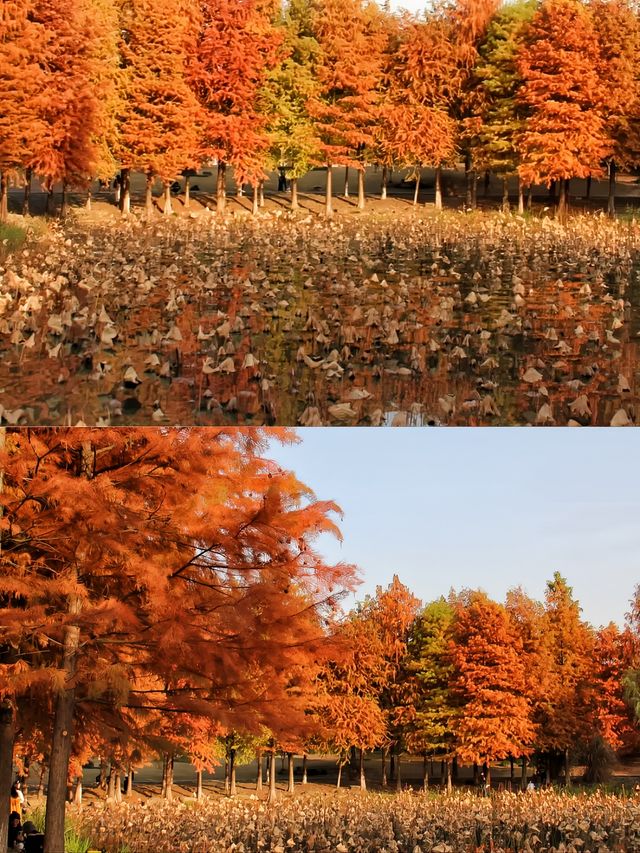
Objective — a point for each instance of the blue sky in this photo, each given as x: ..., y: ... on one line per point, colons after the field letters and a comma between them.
x: 488, y: 508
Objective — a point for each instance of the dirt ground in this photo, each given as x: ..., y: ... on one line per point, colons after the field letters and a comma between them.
x: 311, y: 194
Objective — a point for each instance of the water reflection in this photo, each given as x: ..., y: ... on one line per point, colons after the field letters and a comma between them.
x: 405, y: 321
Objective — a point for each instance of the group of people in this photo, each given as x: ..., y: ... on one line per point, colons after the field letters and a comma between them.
x: 22, y: 836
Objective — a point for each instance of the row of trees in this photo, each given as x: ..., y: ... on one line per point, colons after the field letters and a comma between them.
x: 159, y: 595
x: 544, y: 90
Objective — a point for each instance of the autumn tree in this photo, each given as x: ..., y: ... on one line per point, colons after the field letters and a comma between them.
x: 429, y: 714
x: 161, y: 554
x: 237, y: 47
x: 502, y: 115
x: 347, y: 67
x: 614, y: 653
x: 347, y: 705
x: 290, y: 85
x: 617, y: 32
x: 158, y: 114
x: 489, y: 683
x: 563, y: 95
x: 67, y: 152
x: 417, y: 127
x: 21, y: 84
x: 567, y: 718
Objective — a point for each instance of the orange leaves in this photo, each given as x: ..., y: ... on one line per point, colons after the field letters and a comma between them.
x: 564, y: 134
x: 158, y: 113
x: 190, y: 553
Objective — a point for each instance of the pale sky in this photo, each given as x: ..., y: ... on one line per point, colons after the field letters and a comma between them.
x: 488, y: 508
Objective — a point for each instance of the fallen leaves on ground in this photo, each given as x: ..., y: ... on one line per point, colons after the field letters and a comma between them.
x: 464, y: 822
x: 449, y: 319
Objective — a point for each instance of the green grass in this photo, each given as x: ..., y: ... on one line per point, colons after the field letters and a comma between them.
x: 74, y: 842
x: 12, y: 238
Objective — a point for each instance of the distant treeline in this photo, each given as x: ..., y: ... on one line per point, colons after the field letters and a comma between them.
x: 547, y: 91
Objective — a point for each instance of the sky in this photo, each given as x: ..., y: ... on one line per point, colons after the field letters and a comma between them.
x: 481, y: 508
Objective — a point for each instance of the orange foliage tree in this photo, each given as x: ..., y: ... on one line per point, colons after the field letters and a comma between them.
x: 489, y: 682
x: 417, y: 129
x: 69, y: 107
x: 564, y: 134
x: 566, y: 718
x: 21, y: 82
x: 617, y: 31
x: 345, y: 107
x: 166, y: 553
x: 158, y: 113
x: 237, y: 46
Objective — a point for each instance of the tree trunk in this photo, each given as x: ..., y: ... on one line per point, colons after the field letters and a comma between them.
x: 168, y: 207
x: 4, y: 200
x: 294, y: 193
x: 87, y: 204
x: 487, y: 775
x: 226, y: 775
x: 148, y: 197
x: 363, y: 778
x: 63, y: 723
x: 383, y: 183
x: 392, y: 766
x: 125, y: 191
x: 567, y: 769
x: 552, y: 193
x: 425, y: 772
x: 111, y: 783
x: 7, y: 739
x: 438, y: 179
x: 383, y: 778
x: 353, y: 765
x: 339, y: 780
x: 505, y: 195
x: 64, y: 205
x: 611, y: 200
x: 562, y: 200
x: 417, y: 189
x: 198, y: 784
x: 261, y: 194
x: 292, y: 785
x: 304, y: 769
x: 529, y: 196
x: 117, y: 784
x: 346, y: 182
x: 232, y: 772
x: 398, y: 773
x: 167, y: 777
x: 328, y: 199
x: 487, y: 180
x: 512, y: 765
x: 467, y: 181
x: 523, y: 774
x: 26, y: 201
x: 449, y: 782
x: 48, y: 204
x: 40, y: 790
x: 221, y: 191
x: 273, y: 793
x: 588, y: 188
x: 187, y: 192
x: 129, y: 790
x: 77, y: 793
x: 102, y: 776
x: 254, y: 208
x: 520, y: 196
x: 259, y: 771
x: 361, y: 195
x: 474, y: 189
